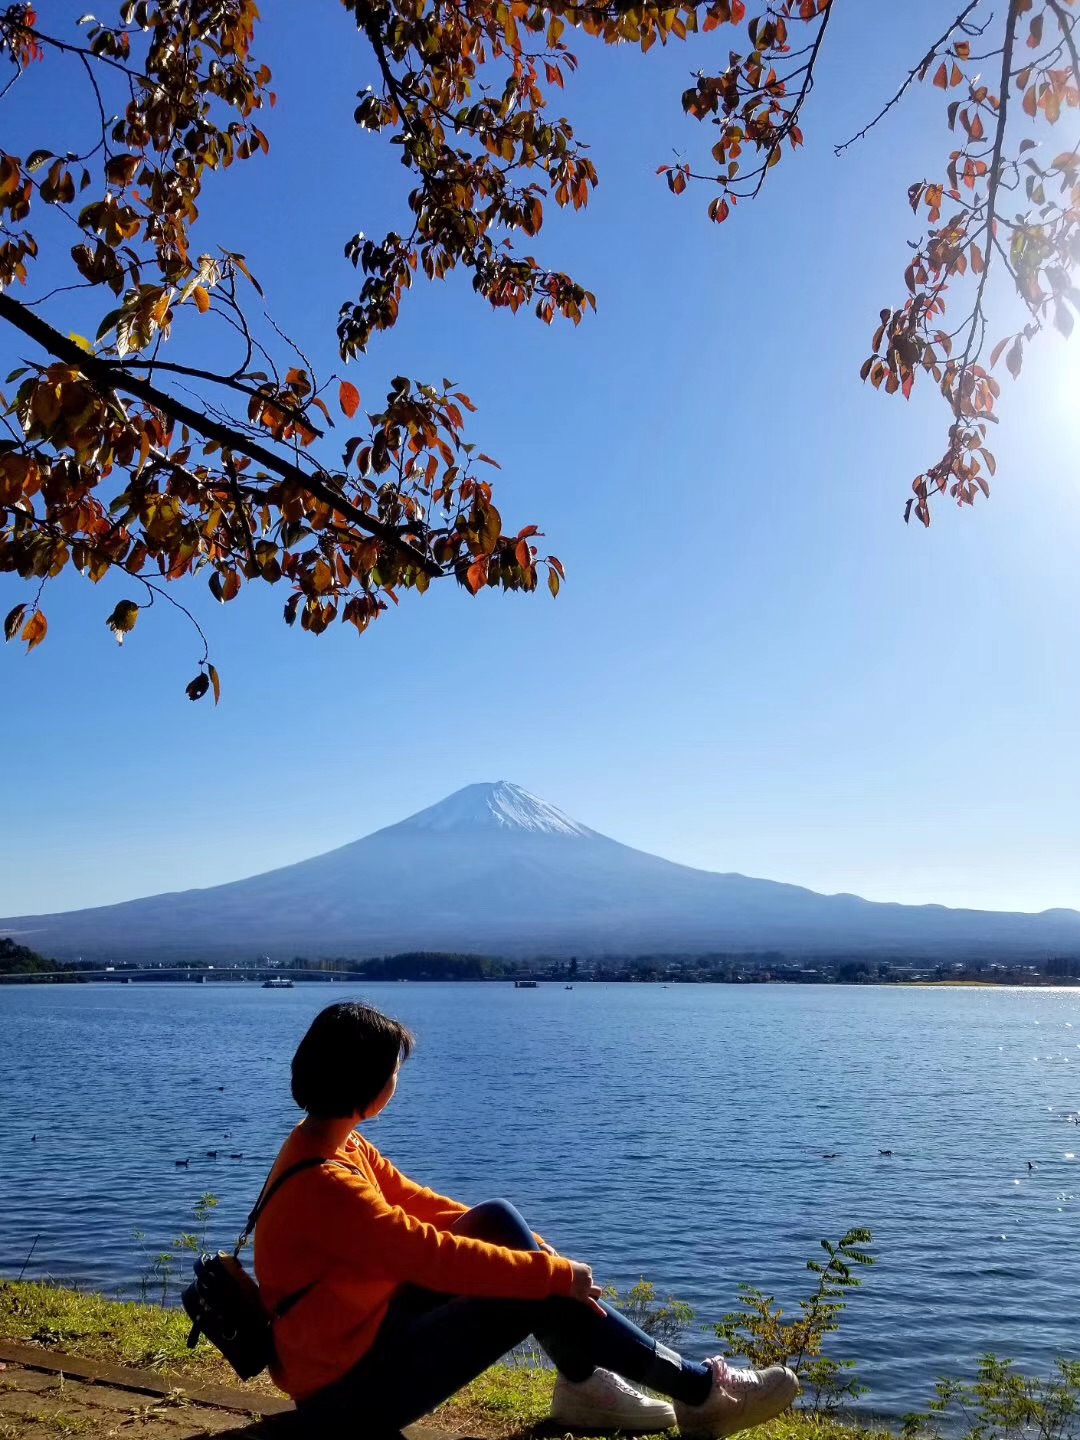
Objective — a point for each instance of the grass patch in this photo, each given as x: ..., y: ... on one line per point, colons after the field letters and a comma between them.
x: 117, y: 1332
x: 507, y: 1402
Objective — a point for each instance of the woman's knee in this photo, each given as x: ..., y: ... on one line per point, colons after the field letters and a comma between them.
x: 498, y: 1222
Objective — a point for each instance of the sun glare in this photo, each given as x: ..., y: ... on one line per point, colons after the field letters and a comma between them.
x: 1066, y: 385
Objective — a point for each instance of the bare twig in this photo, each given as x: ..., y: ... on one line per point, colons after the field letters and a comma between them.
x: 911, y: 77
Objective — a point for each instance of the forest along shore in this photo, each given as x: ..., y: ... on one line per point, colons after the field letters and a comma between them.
x: 19, y: 964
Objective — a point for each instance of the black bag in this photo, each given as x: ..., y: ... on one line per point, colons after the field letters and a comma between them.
x: 224, y: 1302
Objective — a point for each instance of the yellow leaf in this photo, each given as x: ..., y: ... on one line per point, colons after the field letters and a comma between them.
x: 81, y: 341
x: 122, y: 620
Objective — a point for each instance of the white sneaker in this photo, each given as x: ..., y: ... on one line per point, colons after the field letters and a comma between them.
x: 607, y: 1402
x: 740, y: 1398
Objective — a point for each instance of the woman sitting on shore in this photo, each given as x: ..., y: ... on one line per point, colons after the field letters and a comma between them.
x: 392, y: 1297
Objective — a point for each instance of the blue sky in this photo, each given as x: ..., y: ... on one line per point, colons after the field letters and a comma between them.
x: 755, y: 665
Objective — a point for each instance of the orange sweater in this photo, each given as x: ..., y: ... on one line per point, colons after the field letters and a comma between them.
x: 359, y: 1234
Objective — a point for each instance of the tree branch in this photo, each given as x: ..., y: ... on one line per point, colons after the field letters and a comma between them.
x: 107, y: 377
x: 229, y: 381
x: 807, y: 85
x: 921, y: 66
x: 1066, y: 27
x: 1012, y: 19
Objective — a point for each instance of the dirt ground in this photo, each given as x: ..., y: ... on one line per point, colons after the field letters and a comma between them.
x: 47, y: 1396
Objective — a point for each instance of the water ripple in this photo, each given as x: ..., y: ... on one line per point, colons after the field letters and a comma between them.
x: 676, y: 1133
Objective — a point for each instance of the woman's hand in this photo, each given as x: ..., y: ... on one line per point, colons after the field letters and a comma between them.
x: 583, y: 1287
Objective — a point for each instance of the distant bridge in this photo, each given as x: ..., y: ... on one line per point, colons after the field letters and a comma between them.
x: 196, y: 974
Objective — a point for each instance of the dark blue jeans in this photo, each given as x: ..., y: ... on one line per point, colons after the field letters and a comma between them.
x: 430, y: 1345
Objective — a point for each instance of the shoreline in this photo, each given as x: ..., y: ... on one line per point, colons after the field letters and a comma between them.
x: 101, y: 977
x: 509, y: 1401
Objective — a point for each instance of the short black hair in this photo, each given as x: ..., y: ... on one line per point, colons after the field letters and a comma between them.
x: 346, y: 1059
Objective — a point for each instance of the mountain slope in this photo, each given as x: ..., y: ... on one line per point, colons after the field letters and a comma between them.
x: 496, y: 870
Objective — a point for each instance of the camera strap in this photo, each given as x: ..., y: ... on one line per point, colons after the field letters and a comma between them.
x: 268, y: 1191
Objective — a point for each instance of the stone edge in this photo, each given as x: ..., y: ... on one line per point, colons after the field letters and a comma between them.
x: 218, y: 1397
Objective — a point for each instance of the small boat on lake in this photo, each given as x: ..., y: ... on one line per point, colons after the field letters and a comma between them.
x: 277, y: 982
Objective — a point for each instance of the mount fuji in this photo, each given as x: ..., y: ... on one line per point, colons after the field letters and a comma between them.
x: 495, y: 870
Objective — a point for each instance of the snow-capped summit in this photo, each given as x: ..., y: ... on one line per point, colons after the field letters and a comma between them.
x: 493, y: 870
x: 502, y: 805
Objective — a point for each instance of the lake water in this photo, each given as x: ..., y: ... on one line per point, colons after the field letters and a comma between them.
x: 676, y: 1133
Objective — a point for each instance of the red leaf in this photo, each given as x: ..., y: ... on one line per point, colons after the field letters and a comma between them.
x: 349, y: 397
x: 476, y: 574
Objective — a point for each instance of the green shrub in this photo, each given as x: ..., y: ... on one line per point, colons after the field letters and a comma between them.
x: 758, y: 1333
x: 158, y: 1269
x: 1002, y: 1404
x: 664, y: 1320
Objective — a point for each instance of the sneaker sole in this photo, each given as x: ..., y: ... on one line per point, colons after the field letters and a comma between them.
x: 598, y: 1419
x: 776, y: 1405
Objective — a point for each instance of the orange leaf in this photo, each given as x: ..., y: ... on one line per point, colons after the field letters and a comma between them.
x: 476, y: 574
x: 349, y: 397
x: 998, y: 348
x: 34, y: 630
x: 214, y: 681
x: 201, y: 298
